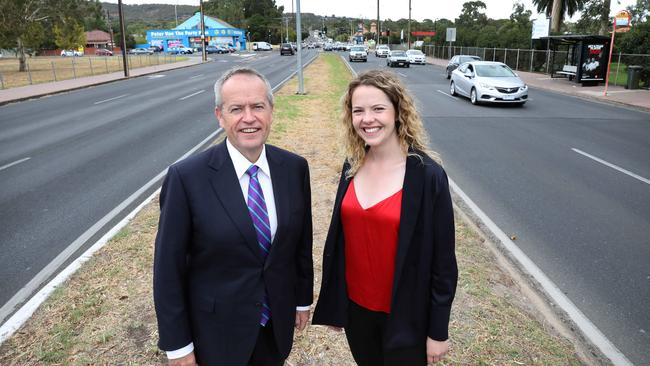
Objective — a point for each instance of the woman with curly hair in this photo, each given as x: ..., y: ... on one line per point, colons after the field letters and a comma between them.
x: 389, y: 266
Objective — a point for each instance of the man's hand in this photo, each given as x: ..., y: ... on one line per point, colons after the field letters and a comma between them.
x: 436, y: 350
x: 188, y: 360
x: 302, y: 317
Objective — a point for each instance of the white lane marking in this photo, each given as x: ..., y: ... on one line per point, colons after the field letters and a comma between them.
x: 17, y: 320
x: 191, y: 95
x: 156, y: 76
x: 108, y: 100
x: 196, y: 76
x: 613, y: 166
x: 404, y: 75
x: 14, y: 163
x: 588, y: 329
x: 449, y: 95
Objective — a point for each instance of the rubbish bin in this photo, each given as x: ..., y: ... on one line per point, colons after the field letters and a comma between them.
x: 633, y: 76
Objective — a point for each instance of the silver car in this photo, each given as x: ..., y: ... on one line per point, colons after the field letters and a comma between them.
x: 488, y: 82
x: 416, y: 57
x: 397, y: 58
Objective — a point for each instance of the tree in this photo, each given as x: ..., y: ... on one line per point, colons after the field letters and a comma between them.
x: 69, y: 34
x: 563, y: 7
x: 470, y: 22
x: 640, y: 11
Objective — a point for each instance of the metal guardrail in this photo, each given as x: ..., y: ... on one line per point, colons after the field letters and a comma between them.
x: 537, y: 60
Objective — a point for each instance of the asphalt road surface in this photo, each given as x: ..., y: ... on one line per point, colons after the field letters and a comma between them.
x: 68, y: 160
x: 532, y: 170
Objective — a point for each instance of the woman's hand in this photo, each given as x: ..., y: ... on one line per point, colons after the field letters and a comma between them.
x: 436, y: 350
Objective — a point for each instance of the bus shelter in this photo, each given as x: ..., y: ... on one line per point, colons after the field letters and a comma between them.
x: 581, y: 58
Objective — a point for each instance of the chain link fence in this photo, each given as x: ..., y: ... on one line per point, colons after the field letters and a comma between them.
x: 542, y: 61
x: 49, y: 69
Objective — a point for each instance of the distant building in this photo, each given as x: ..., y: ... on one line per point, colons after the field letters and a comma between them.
x: 188, y: 34
x: 98, y: 39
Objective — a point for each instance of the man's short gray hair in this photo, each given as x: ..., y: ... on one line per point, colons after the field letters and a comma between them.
x: 218, y: 86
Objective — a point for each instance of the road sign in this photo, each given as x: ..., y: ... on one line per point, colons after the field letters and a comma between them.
x: 451, y: 34
x: 541, y: 27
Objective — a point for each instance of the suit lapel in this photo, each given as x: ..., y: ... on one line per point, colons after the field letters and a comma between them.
x: 411, y: 202
x: 281, y: 194
x: 225, y: 184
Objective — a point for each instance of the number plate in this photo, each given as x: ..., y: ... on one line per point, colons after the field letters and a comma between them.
x: 508, y: 97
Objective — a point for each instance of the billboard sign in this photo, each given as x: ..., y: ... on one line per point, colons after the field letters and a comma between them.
x: 593, y: 62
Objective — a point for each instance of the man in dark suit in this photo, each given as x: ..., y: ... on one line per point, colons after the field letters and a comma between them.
x: 233, y: 271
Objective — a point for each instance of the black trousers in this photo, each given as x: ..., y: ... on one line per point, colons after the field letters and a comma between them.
x: 365, y: 334
x: 266, y: 351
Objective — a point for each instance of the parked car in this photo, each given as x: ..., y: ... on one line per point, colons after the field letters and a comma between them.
x: 397, y: 58
x: 382, y: 51
x: 155, y: 49
x: 327, y: 47
x: 180, y: 50
x: 488, y: 82
x: 103, y: 52
x: 358, y: 53
x: 140, y: 51
x: 416, y: 57
x: 458, y: 60
x: 71, y: 53
x: 286, y: 49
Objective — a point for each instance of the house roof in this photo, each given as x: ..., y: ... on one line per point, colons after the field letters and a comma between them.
x: 97, y: 36
x: 210, y: 22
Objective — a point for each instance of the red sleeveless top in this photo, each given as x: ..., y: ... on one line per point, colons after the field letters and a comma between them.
x: 370, y: 248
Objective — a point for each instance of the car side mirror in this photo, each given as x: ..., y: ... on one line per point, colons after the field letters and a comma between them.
x: 468, y: 74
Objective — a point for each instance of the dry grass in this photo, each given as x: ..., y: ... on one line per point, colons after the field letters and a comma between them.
x: 104, y: 313
x: 48, y: 69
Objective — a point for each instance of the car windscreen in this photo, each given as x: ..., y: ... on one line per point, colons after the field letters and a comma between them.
x: 415, y: 52
x: 357, y: 49
x: 397, y: 53
x: 492, y: 71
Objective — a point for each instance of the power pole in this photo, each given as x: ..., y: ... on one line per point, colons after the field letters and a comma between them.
x: 378, y: 29
x: 125, y: 61
x: 110, y: 28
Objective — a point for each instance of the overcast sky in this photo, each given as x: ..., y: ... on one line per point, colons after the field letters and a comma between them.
x: 393, y: 9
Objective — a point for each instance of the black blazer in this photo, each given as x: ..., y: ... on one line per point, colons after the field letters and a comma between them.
x: 209, y: 273
x: 425, y: 265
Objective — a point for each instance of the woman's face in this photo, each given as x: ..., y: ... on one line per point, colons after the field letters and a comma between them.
x: 373, y: 115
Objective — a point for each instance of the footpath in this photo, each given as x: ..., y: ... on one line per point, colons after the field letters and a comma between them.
x: 638, y: 98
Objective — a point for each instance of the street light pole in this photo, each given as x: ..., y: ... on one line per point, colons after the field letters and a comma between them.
x: 125, y: 61
x: 301, y: 83
x: 203, y: 54
x: 378, y: 29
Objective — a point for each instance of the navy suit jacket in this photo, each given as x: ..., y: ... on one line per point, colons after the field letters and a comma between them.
x: 426, y: 273
x: 209, y: 273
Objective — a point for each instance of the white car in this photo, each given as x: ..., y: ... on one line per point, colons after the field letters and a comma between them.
x: 488, y: 82
x: 71, y: 53
x: 382, y: 51
x: 358, y: 53
x: 416, y: 57
x: 397, y: 58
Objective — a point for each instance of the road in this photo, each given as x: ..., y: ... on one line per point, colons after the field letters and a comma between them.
x: 584, y: 223
x: 68, y: 160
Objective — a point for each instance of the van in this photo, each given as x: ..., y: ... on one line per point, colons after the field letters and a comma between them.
x: 262, y: 46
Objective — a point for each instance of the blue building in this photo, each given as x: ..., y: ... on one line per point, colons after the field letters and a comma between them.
x: 188, y: 34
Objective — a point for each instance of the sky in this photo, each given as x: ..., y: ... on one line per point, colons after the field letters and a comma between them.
x: 393, y: 9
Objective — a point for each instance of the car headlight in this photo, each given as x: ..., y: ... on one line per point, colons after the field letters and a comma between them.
x: 486, y: 86
x: 522, y: 88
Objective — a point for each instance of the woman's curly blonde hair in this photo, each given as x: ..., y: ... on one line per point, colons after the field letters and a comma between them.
x: 409, y: 127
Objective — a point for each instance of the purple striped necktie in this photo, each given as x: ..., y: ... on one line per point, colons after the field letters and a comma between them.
x: 257, y: 210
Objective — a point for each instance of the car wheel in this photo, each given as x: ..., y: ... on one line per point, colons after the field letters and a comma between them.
x: 473, y: 97
x: 408, y: 65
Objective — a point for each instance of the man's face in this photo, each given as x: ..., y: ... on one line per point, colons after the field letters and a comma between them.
x: 245, y: 114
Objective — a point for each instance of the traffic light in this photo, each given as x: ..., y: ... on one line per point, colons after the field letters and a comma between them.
x: 325, y: 29
x: 387, y: 32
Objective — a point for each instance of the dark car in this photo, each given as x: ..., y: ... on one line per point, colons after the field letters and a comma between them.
x: 286, y: 49
x: 103, y: 52
x: 459, y: 60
